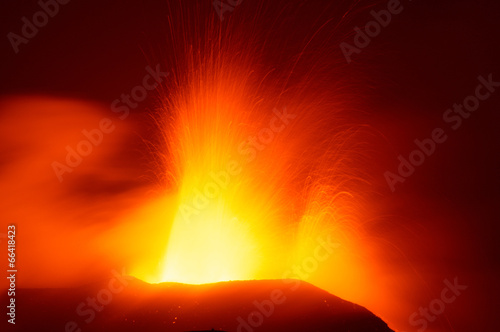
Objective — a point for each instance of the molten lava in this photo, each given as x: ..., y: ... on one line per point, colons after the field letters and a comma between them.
x: 261, y: 171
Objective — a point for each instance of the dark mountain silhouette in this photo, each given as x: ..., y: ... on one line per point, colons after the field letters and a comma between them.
x: 238, y: 306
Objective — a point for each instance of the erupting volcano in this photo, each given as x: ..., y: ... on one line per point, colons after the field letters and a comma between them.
x: 236, y: 179
x: 257, y: 173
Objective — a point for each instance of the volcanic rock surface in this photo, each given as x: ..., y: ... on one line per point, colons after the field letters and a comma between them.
x: 126, y: 305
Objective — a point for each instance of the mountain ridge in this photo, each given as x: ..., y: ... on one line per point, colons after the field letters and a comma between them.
x: 127, y: 304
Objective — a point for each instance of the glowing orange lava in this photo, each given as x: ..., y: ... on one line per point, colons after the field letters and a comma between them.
x: 260, y: 175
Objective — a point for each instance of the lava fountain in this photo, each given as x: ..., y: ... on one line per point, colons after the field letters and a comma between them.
x: 263, y: 165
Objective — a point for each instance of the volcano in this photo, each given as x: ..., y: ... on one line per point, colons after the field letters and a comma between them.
x: 127, y: 304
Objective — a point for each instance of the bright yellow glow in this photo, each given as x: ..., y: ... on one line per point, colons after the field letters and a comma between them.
x: 211, y: 247
x: 229, y: 202
x: 251, y: 191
